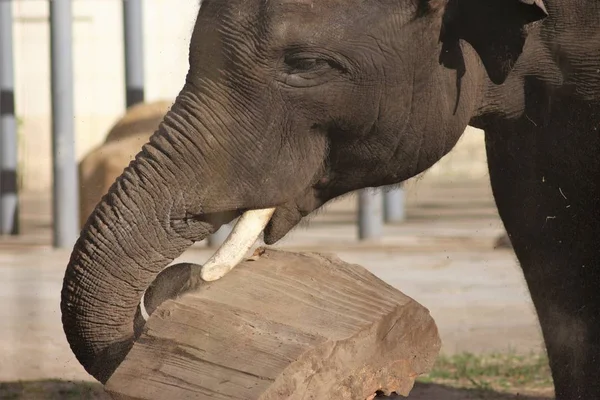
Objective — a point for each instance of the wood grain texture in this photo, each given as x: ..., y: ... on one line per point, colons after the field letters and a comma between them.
x: 286, y: 326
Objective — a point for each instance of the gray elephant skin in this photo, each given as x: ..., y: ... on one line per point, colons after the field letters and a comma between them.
x: 293, y: 103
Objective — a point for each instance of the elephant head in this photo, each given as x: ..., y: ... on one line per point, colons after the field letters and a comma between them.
x: 287, y: 104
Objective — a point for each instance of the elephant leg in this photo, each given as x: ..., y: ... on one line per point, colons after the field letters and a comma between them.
x: 547, y: 194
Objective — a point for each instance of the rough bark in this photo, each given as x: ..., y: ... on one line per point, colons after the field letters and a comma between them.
x: 286, y: 326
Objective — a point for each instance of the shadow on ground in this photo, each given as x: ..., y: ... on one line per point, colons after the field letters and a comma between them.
x: 432, y: 391
x: 63, y: 390
x: 52, y: 390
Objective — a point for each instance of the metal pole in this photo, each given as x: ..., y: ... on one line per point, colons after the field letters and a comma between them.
x: 9, y: 202
x: 393, y: 200
x: 217, y: 238
x: 134, y: 51
x: 65, y: 202
x: 370, y: 215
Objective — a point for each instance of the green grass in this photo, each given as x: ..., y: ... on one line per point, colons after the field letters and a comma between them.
x: 507, y: 373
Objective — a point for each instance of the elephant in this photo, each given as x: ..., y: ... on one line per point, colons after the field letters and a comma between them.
x: 102, y: 166
x: 289, y: 104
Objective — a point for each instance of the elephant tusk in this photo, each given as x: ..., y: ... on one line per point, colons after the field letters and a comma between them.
x: 240, y: 240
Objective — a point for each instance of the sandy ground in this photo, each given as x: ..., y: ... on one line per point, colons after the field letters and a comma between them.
x: 478, y: 300
x: 442, y: 256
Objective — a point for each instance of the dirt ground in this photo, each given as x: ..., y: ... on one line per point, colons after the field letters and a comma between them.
x: 61, y: 390
x: 428, y: 391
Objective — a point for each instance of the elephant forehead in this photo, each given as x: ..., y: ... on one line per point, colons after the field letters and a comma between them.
x: 298, y: 19
x: 309, y: 3
x: 316, y: 6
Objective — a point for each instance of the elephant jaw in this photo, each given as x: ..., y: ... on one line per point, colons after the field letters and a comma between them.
x: 233, y: 250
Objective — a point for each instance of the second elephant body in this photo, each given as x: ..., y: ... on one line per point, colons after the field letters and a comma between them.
x: 99, y: 169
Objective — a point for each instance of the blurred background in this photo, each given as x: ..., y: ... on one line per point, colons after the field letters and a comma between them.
x: 98, y: 71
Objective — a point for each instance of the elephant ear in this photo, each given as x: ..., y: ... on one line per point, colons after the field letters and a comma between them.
x: 496, y: 29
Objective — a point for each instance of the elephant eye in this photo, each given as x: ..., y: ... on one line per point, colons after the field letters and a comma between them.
x: 305, y: 69
x: 299, y: 64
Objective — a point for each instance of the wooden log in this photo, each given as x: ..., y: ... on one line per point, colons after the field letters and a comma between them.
x: 285, y: 326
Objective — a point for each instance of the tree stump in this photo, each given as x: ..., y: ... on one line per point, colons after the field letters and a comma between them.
x: 282, y: 326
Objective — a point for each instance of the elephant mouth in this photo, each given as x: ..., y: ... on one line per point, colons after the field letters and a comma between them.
x: 231, y: 252
x: 276, y: 222
x: 273, y: 222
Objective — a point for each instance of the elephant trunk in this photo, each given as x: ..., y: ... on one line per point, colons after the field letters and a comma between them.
x: 144, y: 222
x: 116, y: 257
